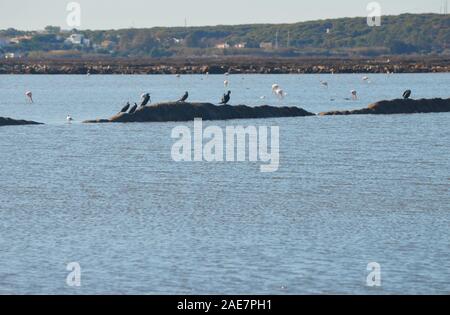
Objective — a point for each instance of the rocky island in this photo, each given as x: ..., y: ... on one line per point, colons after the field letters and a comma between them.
x: 12, y: 122
x: 181, y: 111
x: 399, y: 106
x: 173, y: 111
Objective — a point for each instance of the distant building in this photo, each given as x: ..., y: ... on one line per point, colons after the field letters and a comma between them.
x: 108, y: 44
x: 18, y: 39
x: 87, y: 42
x: 75, y: 39
x: 240, y: 45
x: 10, y: 56
x: 222, y: 46
x: 266, y: 45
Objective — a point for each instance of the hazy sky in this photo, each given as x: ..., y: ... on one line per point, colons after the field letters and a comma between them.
x: 107, y: 14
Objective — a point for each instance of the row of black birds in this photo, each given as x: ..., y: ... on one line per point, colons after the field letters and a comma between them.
x: 225, y: 98
x: 146, y: 99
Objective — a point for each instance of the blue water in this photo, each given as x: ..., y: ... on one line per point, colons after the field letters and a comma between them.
x: 349, y: 191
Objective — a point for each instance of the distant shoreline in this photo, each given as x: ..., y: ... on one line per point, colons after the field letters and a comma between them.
x: 232, y: 65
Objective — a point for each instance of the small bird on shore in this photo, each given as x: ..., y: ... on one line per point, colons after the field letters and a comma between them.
x: 133, y: 109
x: 183, y: 98
x: 407, y: 94
x: 29, y: 94
x: 145, y: 99
x: 354, y: 95
x: 125, y: 108
x: 226, y: 98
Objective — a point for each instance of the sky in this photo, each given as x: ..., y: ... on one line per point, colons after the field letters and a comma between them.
x: 115, y: 14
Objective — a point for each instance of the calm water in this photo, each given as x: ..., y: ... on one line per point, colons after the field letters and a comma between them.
x: 349, y: 191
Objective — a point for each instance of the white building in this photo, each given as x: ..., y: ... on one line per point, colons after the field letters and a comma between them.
x: 17, y: 40
x: 266, y: 45
x: 75, y: 39
x: 10, y: 56
x: 240, y: 45
x: 223, y: 46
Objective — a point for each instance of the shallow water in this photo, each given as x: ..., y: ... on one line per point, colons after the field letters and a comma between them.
x: 349, y: 191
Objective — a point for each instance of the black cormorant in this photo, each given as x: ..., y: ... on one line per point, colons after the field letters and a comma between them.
x: 407, y: 94
x: 226, y: 98
x: 126, y: 108
x: 183, y: 98
x: 145, y: 99
x: 133, y: 109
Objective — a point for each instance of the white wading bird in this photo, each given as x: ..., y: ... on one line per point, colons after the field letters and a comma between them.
x: 29, y: 94
x: 278, y: 91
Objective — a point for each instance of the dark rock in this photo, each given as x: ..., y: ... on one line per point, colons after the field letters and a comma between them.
x: 399, y: 106
x: 165, y: 112
x: 13, y: 122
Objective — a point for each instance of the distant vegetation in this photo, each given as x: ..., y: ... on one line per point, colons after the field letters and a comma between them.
x: 405, y: 34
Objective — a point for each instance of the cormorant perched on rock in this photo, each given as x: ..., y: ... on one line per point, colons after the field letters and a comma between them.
x: 145, y: 99
x: 133, y: 109
x: 183, y: 98
x: 407, y: 94
x: 226, y: 98
x: 126, y: 108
